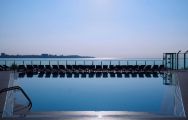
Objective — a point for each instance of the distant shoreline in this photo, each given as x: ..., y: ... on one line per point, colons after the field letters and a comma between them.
x: 43, y: 56
x: 49, y: 57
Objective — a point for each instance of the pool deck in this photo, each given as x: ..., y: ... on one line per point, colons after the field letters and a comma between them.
x: 183, y: 82
x: 4, y: 80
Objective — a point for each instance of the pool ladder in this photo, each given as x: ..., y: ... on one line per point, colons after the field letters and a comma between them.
x: 23, y: 92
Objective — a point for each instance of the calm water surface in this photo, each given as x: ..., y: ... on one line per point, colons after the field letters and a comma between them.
x: 99, y: 94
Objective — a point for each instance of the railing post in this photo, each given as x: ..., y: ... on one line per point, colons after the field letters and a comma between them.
x: 172, y: 61
x: 178, y: 59
x: 166, y: 61
x: 185, y: 59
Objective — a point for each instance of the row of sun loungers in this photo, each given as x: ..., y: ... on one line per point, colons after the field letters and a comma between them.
x: 4, y: 67
x: 89, y: 68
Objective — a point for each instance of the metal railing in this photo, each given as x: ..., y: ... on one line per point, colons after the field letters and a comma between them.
x: 23, y: 92
x: 83, y: 62
x: 176, y: 61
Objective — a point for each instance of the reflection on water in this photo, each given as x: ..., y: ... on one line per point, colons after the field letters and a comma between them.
x: 139, y: 92
x: 90, y: 75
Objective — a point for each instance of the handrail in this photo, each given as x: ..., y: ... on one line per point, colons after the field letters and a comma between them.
x: 75, y: 61
x: 18, y: 88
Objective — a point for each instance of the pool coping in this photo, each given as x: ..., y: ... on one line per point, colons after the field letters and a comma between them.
x: 182, y: 75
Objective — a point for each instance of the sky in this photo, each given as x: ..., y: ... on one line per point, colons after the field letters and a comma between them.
x: 100, y: 28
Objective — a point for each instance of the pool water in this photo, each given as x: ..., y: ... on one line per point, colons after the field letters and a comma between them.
x: 145, y: 94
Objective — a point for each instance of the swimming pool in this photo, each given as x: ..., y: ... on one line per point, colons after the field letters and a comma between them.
x: 158, y: 95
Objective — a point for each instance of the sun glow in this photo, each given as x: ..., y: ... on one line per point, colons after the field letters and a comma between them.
x: 102, y: 3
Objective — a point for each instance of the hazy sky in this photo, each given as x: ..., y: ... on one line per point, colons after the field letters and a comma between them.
x: 101, y: 28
